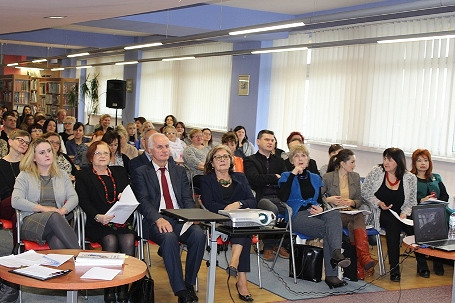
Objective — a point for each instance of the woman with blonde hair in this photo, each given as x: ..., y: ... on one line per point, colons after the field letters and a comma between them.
x: 44, y: 194
x: 133, y: 140
x: 177, y: 146
x: 125, y: 148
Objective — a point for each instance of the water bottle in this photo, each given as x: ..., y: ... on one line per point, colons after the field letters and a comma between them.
x: 451, y: 234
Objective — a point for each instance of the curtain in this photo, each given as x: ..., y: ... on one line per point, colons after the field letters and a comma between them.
x: 194, y: 91
x: 371, y: 95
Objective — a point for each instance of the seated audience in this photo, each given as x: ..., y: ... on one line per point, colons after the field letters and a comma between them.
x: 27, y: 110
x: 117, y: 158
x: 45, y: 195
x: 245, y: 147
x: 40, y: 118
x: 176, y: 145
x: 9, y: 124
x: 104, y: 124
x: 133, y: 140
x: 63, y: 161
x: 230, y: 140
x: 126, y: 149
x: 169, y: 120
x: 99, y: 188
x: 35, y: 130
x: 277, y: 151
x: 296, y: 138
x: 67, y: 133
x: 222, y: 188
x: 145, y: 157
x: 172, y: 192
x: 334, y: 149
x: 194, y: 156
x: 61, y: 115
x: 301, y: 190
x: 207, y: 140
x: 342, y: 188
x: 50, y: 125
x: 28, y: 120
x: 181, y: 132
x: 139, y: 122
x: 76, y: 147
x: 390, y: 186
x: 429, y: 186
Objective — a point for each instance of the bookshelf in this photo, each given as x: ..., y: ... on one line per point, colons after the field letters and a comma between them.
x: 47, y: 95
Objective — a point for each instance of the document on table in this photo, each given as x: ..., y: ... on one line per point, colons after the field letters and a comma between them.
x: 25, y: 259
x: 55, y: 259
x: 326, y: 211
x: 405, y: 221
x: 124, y: 207
x: 100, y: 273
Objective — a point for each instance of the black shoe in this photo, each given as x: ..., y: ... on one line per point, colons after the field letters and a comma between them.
x: 424, y: 273
x: 438, y: 268
x: 339, y: 260
x: 395, y: 277
x: 109, y: 295
x: 334, y: 282
x: 185, y: 298
x: 231, y: 271
x: 247, y: 298
x: 122, y: 294
x: 192, y: 293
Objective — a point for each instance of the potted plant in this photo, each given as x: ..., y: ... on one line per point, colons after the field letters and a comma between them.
x: 89, y: 90
x: 72, y: 95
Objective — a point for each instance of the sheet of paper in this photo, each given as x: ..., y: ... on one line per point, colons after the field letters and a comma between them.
x: 100, y: 273
x: 27, y: 258
x: 434, y: 201
x: 124, y: 207
x: 40, y: 272
x: 55, y: 259
x: 405, y: 221
x: 355, y: 211
x: 326, y: 211
x: 185, y: 227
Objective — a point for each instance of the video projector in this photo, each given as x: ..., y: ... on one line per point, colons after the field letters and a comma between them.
x: 249, y: 217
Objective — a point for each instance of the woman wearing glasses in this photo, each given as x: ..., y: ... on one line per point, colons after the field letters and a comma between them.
x: 63, y: 161
x: 99, y: 187
x: 44, y: 194
x: 19, y: 141
x: 222, y: 188
x: 176, y: 145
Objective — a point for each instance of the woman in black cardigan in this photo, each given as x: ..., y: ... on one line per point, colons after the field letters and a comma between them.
x: 221, y: 188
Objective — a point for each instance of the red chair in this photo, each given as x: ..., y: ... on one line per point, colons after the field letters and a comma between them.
x: 26, y: 244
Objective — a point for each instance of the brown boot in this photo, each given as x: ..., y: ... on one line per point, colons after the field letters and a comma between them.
x: 360, y: 270
x: 362, y: 249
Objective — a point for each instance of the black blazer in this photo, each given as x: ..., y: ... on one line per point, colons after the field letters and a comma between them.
x: 146, y: 187
x: 212, y: 197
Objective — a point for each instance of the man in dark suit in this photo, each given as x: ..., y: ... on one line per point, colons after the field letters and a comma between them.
x: 160, y: 185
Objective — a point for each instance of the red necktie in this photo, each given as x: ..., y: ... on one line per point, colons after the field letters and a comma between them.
x: 165, y: 189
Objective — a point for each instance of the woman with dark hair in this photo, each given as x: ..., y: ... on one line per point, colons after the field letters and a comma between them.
x: 390, y: 186
x: 169, y: 120
x: 45, y: 195
x: 27, y: 110
x: 301, y: 190
x: 342, y: 188
x: 429, y: 186
x: 181, y: 132
x: 334, y: 149
x: 28, y: 120
x: 50, y: 125
x: 35, y: 130
x: 245, y: 147
x: 207, y: 140
x: 222, y: 188
x: 99, y: 187
x: 296, y: 138
x: 112, y: 138
x: 76, y: 147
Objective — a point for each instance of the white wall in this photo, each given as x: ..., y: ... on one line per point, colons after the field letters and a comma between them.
x: 367, y: 158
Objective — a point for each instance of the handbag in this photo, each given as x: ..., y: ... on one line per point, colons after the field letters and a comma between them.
x: 9, y: 292
x: 143, y: 290
x: 308, y: 264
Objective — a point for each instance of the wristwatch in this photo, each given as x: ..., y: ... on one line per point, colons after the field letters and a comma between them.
x: 241, y: 204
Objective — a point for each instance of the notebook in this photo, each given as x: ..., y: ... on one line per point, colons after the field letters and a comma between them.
x: 430, y: 226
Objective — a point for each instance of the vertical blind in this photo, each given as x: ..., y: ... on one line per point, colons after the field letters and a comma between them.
x: 373, y: 95
x: 195, y: 91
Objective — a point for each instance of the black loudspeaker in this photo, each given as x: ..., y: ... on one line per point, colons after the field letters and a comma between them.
x: 116, y: 94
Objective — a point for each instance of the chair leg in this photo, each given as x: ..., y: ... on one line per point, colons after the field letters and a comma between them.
x: 380, y: 256
x: 276, y: 255
x: 259, y: 264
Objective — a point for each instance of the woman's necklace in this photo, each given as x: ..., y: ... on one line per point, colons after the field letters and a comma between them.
x: 388, y: 180
x: 104, y: 185
x: 225, y: 183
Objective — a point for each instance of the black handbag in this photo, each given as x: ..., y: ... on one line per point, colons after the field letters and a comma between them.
x: 349, y: 251
x: 143, y: 290
x: 308, y: 264
x: 9, y: 292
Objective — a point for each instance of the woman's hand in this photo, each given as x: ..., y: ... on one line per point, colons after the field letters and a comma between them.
x: 315, y: 209
x: 348, y: 202
x: 62, y: 211
x: 335, y: 200
x: 426, y: 198
x: 42, y: 209
x: 383, y: 206
x: 103, y: 219
x: 233, y: 205
x: 298, y: 170
x: 403, y: 216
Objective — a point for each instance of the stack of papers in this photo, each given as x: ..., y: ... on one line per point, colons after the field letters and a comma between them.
x: 99, y: 259
x: 31, y: 257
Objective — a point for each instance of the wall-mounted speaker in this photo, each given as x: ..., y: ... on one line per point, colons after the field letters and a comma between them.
x: 116, y: 94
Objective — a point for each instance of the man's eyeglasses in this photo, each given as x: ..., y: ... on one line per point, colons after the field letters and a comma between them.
x: 101, y: 154
x: 22, y: 141
x: 222, y: 157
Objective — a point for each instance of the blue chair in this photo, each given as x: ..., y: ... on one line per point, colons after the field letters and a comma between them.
x: 374, y: 232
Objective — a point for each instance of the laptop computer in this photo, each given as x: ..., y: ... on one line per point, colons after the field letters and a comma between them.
x: 430, y: 226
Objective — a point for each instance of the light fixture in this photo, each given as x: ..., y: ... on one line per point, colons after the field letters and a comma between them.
x: 415, y: 39
x: 78, y: 55
x: 57, y: 69
x: 12, y: 64
x: 55, y: 17
x: 127, y: 63
x: 83, y: 66
x: 279, y: 50
x: 179, y: 58
x: 142, y: 45
x: 266, y: 28
x: 29, y: 68
x: 39, y: 60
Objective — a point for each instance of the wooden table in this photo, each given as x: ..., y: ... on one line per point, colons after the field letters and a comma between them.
x: 449, y: 255
x: 132, y: 270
